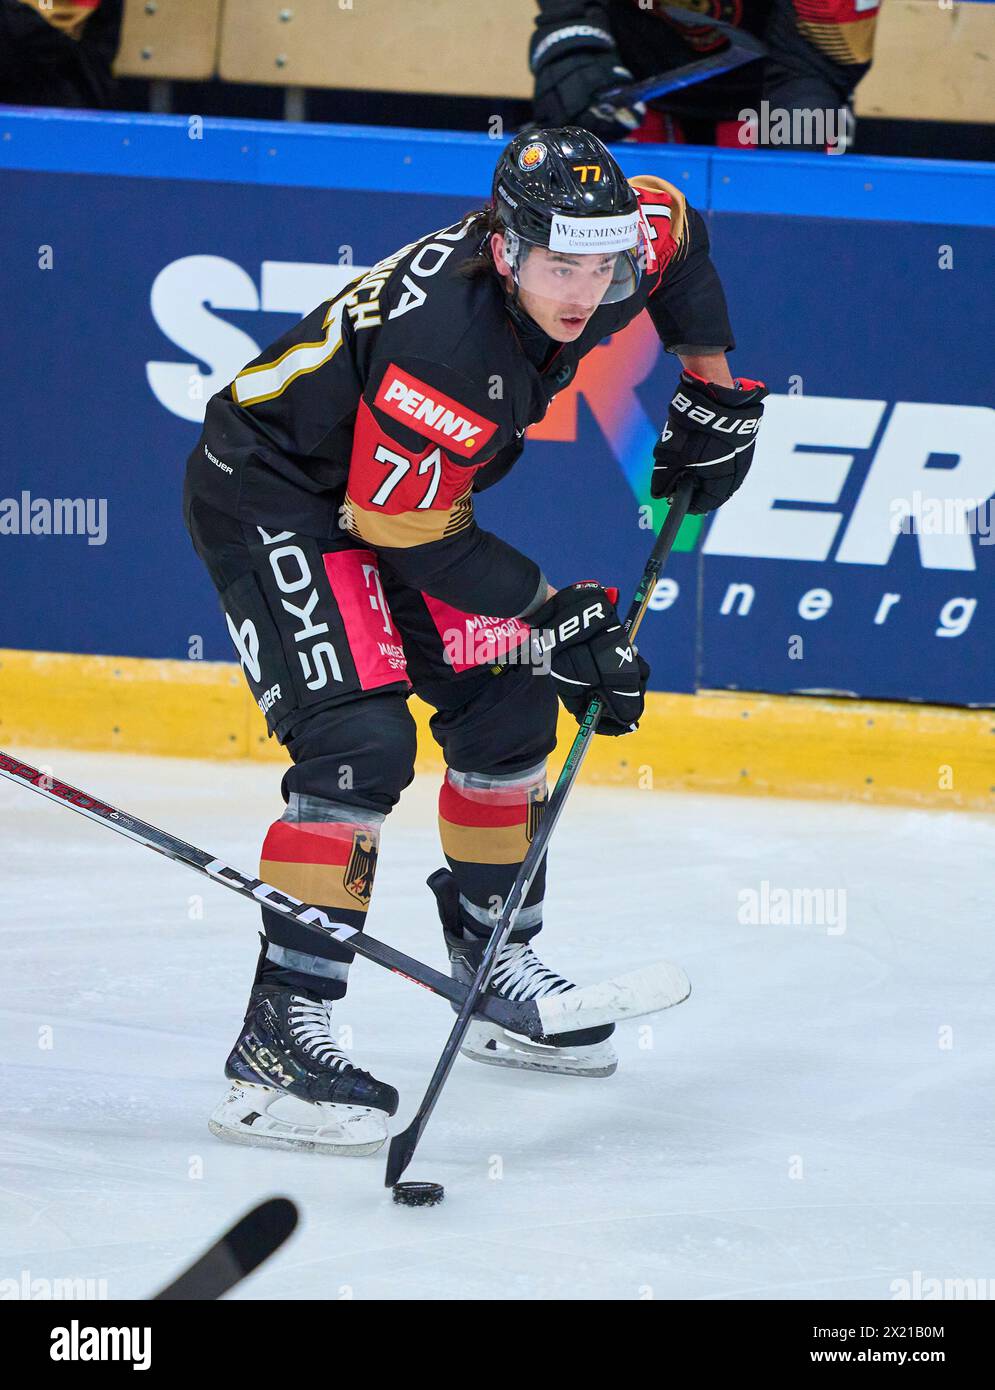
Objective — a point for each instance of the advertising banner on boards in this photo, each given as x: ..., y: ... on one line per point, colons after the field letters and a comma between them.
x: 858, y: 559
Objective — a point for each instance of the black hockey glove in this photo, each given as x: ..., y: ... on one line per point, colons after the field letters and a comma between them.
x: 580, y: 635
x: 712, y: 430
x: 573, y: 66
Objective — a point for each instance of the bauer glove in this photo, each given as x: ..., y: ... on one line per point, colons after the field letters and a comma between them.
x: 580, y: 635
x: 574, y: 64
x: 711, y: 432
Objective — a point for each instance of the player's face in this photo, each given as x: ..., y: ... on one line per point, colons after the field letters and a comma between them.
x: 561, y: 291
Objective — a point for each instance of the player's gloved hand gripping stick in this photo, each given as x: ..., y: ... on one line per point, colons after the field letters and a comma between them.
x: 581, y: 80
x: 402, y: 1146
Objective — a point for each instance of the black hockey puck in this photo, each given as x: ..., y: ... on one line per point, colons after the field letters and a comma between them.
x: 418, y: 1194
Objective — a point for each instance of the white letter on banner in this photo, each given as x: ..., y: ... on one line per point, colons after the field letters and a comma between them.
x: 181, y: 294
x: 297, y: 287
x: 751, y: 524
x: 900, y: 474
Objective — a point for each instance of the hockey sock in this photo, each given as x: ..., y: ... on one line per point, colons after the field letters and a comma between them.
x: 325, y: 853
x: 486, y: 823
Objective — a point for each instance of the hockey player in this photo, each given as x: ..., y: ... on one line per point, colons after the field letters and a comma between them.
x: 331, y: 499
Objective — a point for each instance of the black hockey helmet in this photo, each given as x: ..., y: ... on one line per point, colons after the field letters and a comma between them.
x: 563, y: 190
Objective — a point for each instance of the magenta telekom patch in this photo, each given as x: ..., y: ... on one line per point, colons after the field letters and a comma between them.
x: 470, y: 639
x: 374, y: 641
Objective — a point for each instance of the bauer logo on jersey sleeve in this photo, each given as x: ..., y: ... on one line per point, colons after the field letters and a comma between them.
x: 432, y: 413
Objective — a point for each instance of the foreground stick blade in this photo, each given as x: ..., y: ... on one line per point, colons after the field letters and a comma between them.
x: 647, y: 991
x: 239, y: 1251
x: 518, y: 1017
x: 403, y: 1145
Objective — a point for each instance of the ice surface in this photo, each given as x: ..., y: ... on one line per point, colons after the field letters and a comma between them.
x: 816, y: 1121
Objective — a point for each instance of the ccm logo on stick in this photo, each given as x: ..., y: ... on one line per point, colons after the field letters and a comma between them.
x: 437, y: 416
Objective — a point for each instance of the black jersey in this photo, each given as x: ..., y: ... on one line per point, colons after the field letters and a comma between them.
x: 384, y: 410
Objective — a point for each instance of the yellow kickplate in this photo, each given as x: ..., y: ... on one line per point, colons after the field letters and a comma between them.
x: 716, y: 741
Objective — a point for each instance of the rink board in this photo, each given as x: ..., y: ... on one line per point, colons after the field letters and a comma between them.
x: 150, y: 257
x: 718, y: 741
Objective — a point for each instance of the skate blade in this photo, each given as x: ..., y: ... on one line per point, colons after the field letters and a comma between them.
x: 494, y: 1047
x: 269, y: 1119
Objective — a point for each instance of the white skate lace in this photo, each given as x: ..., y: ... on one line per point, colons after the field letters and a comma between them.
x: 311, y: 1024
x: 520, y: 974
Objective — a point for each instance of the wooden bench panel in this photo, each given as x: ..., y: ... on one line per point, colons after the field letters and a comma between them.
x: 931, y: 63
x: 169, y: 39
x: 462, y: 47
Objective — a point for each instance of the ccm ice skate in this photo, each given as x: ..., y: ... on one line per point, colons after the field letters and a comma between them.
x: 518, y: 974
x: 293, y: 1087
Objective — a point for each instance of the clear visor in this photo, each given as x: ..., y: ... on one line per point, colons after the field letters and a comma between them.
x: 579, y: 281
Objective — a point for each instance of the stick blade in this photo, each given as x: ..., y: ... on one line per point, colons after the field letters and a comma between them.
x: 399, y: 1154
x: 646, y: 991
x: 253, y: 1238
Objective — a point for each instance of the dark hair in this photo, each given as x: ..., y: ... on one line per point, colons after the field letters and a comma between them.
x: 484, y: 223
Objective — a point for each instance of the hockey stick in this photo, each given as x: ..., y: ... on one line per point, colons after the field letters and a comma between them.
x: 639, y: 992
x: 252, y: 1239
x: 648, y: 89
x: 741, y: 47
x: 402, y: 1146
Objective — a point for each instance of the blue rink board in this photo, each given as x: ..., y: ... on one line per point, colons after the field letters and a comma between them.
x: 877, y: 359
